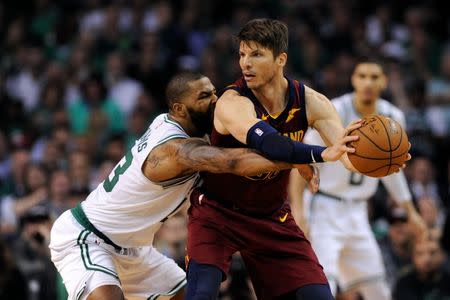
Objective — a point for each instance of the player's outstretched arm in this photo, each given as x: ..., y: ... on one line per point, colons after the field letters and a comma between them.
x: 180, y: 157
x: 236, y: 115
x: 324, y: 118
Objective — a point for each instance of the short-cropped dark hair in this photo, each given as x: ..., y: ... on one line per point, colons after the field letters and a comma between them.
x: 370, y: 60
x: 179, y: 85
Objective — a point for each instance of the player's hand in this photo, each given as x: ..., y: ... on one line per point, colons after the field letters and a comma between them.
x: 335, y: 151
x: 407, y: 158
x: 310, y: 174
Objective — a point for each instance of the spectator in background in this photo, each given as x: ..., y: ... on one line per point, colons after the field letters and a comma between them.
x: 429, y: 211
x: 422, y: 181
x: 59, y: 188
x: 79, y: 170
x: 12, y: 282
x: 33, y: 255
x: 114, y: 148
x: 438, y: 88
x: 14, y: 183
x: 123, y: 90
x: 51, y: 100
x: 137, y: 125
x: 151, y: 68
x: 395, y: 246
x: 94, y: 112
x: 428, y: 279
x: 5, y: 161
x: 35, y: 185
x: 171, y: 239
x: 27, y: 84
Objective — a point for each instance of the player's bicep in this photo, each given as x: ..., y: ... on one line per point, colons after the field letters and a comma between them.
x: 235, y: 115
x: 323, y: 117
x: 161, y: 164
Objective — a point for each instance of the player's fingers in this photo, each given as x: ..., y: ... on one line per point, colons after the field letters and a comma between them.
x: 348, y: 149
x: 353, y: 125
x: 358, y: 121
x: 408, y: 157
x: 350, y: 138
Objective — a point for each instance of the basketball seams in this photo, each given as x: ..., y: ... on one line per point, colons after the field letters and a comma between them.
x: 378, y: 168
x: 370, y: 158
x: 381, y: 149
x: 379, y: 158
x: 390, y: 145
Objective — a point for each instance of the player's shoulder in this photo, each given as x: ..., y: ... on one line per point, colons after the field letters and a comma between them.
x: 343, y: 103
x: 164, y: 124
x: 388, y: 109
x: 238, y: 86
x: 341, y: 100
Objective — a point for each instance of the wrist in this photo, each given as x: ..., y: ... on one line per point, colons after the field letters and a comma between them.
x: 317, y: 154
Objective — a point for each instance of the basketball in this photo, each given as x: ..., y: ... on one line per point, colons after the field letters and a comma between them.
x: 382, y: 146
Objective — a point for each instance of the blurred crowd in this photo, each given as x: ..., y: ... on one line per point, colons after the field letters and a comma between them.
x: 80, y: 80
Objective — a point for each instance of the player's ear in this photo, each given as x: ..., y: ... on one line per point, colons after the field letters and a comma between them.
x: 282, y: 59
x: 179, y: 109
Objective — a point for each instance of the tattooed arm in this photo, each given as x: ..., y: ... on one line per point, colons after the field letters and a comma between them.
x: 180, y: 157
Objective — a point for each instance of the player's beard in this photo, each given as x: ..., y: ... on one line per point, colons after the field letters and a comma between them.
x: 203, y: 121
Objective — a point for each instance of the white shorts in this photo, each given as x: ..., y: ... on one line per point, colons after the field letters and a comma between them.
x: 343, y: 241
x: 86, y: 262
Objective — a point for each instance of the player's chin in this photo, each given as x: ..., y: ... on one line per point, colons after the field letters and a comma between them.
x: 252, y: 84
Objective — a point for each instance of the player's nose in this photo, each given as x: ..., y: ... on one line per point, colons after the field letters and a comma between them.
x: 245, y: 62
x: 214, y: 98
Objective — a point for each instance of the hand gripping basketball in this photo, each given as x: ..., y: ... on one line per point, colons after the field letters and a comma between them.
x: 382, y: 148
x: 343, y: 145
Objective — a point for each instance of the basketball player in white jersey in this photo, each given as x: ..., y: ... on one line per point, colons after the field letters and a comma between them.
x: 338, y: 224
x: 102, y: 248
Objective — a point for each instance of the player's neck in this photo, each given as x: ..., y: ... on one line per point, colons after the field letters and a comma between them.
x: 187, y: 126
x: 364, y: 109
x: 273, y: 95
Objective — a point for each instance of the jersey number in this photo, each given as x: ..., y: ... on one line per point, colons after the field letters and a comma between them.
x: 108, y: 184
x: 356, y: 178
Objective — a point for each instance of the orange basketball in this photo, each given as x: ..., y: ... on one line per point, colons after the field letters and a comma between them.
x: 382, y: 146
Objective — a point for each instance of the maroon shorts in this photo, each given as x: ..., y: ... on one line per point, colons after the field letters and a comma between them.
x: 277, y: 255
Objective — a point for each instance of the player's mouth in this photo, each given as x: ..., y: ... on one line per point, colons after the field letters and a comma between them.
x: 248, y: 76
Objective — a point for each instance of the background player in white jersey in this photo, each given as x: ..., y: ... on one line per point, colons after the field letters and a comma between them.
x: 339, y: 229
x: 102, y: 248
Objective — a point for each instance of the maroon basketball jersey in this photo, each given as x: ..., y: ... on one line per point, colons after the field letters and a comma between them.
x: 265, y: 193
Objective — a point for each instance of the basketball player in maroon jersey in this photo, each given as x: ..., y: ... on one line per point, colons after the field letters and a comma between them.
x: 268, y: 112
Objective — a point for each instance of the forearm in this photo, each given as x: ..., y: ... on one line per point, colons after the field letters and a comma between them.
x: 267, y: 140
x: 408, y: 205
x: 247, y: 162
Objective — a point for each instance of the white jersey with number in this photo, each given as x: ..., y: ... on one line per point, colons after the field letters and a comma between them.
x: 127, y: 207
x: 335, y: 179
x: 339, y: 229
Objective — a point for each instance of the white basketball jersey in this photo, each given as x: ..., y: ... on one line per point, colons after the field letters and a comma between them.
x: 127, y: 207
x: 335, y: 179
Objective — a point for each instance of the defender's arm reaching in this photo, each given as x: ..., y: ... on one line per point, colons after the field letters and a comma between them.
x: 180, y: 157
